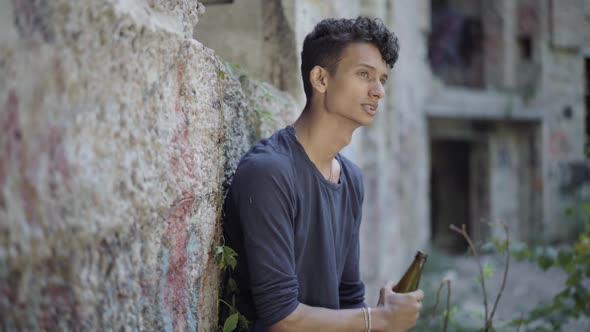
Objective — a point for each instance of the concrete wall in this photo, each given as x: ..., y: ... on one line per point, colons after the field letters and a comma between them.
x: 512, y: 181
x: 118, y: 130
x: 560, y: 98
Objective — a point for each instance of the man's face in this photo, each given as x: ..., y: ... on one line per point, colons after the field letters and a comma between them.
x: 356, y: 86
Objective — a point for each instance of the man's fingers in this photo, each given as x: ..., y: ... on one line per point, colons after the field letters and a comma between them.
x: 389, y: 285
x: 418, y: 295
x: 381, y: 297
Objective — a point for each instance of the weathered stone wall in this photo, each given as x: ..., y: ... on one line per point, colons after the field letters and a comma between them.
x: 118, y: 130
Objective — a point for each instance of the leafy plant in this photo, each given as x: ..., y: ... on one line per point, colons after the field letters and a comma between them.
x: 226, y: 257
x: 573, y: 301
x: 232, y: 319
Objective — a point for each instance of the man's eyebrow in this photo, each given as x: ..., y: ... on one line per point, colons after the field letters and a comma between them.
x: 362, y: 64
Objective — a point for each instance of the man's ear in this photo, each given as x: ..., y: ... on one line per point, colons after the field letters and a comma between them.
x: 319, y: 79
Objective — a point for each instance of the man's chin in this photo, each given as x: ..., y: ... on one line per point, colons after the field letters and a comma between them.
x: 366, y: 121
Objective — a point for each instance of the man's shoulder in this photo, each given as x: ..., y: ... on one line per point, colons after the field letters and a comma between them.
x: 268, y: 156
x: 353, y: 169
x: 264, y: 159
x: 349, y: 164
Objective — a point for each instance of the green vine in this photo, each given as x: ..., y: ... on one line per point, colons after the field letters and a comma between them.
x: 232, y: 319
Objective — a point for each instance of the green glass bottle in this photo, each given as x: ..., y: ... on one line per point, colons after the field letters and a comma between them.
x: 410, y: 281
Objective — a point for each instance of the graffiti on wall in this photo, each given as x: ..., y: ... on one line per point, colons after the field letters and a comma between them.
x: 17, y: 159
x: 558, y: 144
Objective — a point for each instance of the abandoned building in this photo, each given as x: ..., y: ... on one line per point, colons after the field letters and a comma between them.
x: 121, y: 120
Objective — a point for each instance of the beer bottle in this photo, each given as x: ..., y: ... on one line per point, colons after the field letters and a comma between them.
x: 410, y: 281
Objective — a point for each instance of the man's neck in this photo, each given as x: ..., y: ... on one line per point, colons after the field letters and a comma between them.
x: 322, y: 134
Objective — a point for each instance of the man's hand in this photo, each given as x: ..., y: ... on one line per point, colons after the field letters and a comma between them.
x: 396, y: 312
x: 399, y: 311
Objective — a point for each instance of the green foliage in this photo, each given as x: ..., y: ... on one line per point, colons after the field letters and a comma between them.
x: 573, y: 301
x: 231, y: 323
x: 226, y: 257
x: 232, y: 319
x: 488, y: 270
x: 222, y: 74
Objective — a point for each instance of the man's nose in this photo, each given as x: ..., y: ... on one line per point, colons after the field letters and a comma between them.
x: 377, y: 90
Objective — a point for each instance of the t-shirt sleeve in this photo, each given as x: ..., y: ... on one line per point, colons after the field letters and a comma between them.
x: 265, y: 203
x: 352, y: 289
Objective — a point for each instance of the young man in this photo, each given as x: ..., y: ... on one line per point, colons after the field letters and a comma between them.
x: 293, y: 210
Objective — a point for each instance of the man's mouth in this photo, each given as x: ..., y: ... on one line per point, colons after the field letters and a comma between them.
x: 370, y: 108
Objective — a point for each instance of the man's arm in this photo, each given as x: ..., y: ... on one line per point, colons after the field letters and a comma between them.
x: 264, y: 202
x: 306, y: 318
x: 351, y: 288
x: 398, y: 313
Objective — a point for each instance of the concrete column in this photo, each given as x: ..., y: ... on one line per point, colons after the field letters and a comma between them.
x: 509, y: 41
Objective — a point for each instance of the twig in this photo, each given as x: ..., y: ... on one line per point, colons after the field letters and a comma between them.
x: 463, y: 232
x: 520, y: 322
x: 442, y: 284
x: 505, y: 271
x: 227, y: 304
x: 446, y: 324
x: 435, y: 306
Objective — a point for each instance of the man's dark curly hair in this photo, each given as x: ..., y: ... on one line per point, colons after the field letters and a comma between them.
x: 328, y: 39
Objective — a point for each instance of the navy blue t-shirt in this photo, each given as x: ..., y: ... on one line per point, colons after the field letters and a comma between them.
x: 296, y: 233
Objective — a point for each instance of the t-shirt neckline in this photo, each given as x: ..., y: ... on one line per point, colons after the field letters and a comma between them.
x: 291, y: 130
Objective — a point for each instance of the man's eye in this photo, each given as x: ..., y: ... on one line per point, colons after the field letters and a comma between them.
x: 383, y: 82
x: 364, y: 74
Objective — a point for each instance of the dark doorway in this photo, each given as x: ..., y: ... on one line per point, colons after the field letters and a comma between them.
x: 450, y: 193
